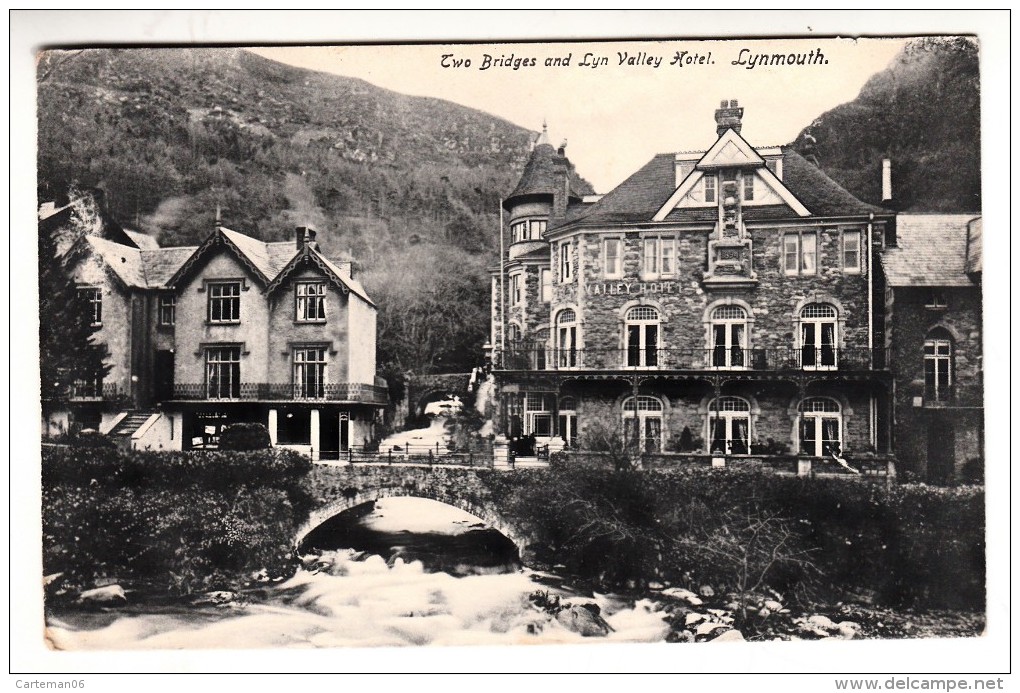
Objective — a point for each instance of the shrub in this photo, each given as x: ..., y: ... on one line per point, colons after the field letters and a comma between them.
x: 185, y: 521
x: 745, y: 530
x: 245, y: 436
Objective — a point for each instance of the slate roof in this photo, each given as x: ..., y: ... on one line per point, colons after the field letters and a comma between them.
x: 162, y: 263
x: 931, y: 251
x: 638, y: 198
x: 124, y: 261
x: 539, y: 178
x: 143, y: 240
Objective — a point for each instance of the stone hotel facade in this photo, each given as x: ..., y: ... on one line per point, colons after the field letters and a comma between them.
x: 726, y: 302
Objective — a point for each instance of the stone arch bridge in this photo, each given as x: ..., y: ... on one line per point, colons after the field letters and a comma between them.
x: 336, y: 488
x: 422, y: 389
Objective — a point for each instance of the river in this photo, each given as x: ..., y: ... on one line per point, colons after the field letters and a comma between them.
x: 404, y: 571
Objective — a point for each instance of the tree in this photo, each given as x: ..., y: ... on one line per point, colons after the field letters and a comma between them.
x: 68, y: 350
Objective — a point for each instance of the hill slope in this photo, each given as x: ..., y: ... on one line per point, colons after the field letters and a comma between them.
x: 406, y: 184
x: 923, y: 113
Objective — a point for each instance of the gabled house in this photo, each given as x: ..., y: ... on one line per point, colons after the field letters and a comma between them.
x: 719, y: 302
x: 234, y: 330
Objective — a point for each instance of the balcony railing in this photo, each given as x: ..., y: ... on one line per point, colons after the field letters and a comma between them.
x: 283, y: 392
x: 531, y: 358
x: 95, y: 391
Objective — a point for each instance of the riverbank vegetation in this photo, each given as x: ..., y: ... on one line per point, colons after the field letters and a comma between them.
x: 172, y: 523
x: 742, y: 532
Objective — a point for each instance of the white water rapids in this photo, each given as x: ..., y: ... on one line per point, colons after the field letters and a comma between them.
x: 366, y: 603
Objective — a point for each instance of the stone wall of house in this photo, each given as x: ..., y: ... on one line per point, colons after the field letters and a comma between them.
x: 957, y: 422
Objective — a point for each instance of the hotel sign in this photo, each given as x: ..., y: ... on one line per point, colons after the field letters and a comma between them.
x: 631, y: 288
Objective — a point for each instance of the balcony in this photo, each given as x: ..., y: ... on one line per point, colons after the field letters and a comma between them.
x: 358, y: 393
x: 775, y: 359
x: 96, y: 391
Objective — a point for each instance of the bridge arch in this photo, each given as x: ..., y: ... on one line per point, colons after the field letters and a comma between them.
x: 457, y: 488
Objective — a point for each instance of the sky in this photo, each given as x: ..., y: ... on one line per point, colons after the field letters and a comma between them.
x: 614, y: 118
x: 616, y: 115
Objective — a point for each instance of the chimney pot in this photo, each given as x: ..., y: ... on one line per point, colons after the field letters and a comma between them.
x: 728, y: 117
x: 723, y: 103
x: 304, y: 235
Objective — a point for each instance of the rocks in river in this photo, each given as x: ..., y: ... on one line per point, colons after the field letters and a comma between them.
x: 729, y: 636
x: 582, y: 619
x: 103, y: 595
x: 217, y: 598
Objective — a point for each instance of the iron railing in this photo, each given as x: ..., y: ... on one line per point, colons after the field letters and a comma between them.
x: 361, y: 393
x: 95, y: 391
x: 531, y: 358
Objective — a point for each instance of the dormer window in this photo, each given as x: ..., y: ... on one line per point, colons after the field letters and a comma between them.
x: 310, y: 302
x: 225, y: 302
x: 709, y: 180
x: 936, y: 300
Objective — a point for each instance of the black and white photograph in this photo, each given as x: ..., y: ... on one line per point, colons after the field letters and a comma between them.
x: 668, y: 343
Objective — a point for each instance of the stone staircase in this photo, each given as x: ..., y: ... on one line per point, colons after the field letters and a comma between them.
x: 130, y: 424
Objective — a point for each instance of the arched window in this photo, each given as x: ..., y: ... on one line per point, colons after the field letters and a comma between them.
x: 729, y: 337
x: 642, y: 423
x: 566, y: 338
x: 818, y: 338
x: 642, y: 336
x: 729, y: 426
x: 821, y: 427
x: 513, y: 332
x: 938, y: 366
x: 568, y: 421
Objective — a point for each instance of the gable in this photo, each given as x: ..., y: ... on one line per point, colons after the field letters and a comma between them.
x: 730, y: 150
x: 215, y: 246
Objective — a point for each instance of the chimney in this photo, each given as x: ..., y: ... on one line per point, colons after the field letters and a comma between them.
x: 886, y: 180
x: 728, y: 117
x: 304, y: 235
x: 561, y: 192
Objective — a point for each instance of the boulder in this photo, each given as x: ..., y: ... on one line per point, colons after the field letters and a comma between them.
x: 103, y: 595
x: 823, y: 622
x: 848, y: 630
x: 707, y: 591
x: 730, y: 636
x: 584, y: 621
x: 217, y: 598
x: 707, y: 627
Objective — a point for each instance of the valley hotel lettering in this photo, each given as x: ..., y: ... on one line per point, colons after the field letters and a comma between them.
x: 631, y: 288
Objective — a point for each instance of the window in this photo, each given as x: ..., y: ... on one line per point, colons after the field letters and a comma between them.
x: 800, y: 252
x: 309, y: 372
x: 310, y: 301
x: 612, y: 258
x: 852, y: 251
x: 515, y: 289
x: 818, y: 336
x: 546, y: 278
x: 709, y: 182
x: 513, y: 332
x: 538, y: 414
x: 541, y: 345
x: 642, y: 335
x: 936, y: 300
x: 821, y: 427
x: 566, y: 339
x: 566, y: 262
x: 225, y: 302
x: 167, y: 309
x: 92, y: 303
x: 729, y: 337
x: 938, y: 362
x: 568, y: 421
x: 642, y: 424
x: 527, y: 230
x: 659, y: 258
x: 749, y: 186
x: 729, y: 426
x: 223, y: 372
